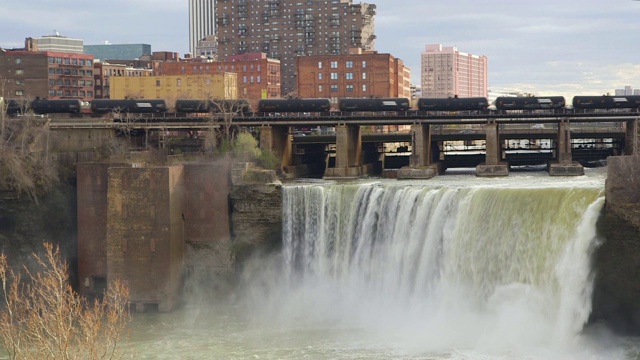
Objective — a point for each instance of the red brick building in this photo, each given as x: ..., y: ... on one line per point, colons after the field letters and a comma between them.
x: 258, y: 76
x: 47, y: 75
x: 356, y: 75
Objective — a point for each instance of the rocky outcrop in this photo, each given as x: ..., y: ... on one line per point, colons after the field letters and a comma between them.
x: 616, y: 298
x: 256, y: 210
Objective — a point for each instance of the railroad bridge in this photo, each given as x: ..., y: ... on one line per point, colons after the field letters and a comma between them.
x: 347, y: 145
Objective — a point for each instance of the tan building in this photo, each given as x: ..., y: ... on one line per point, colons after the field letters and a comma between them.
x: 286, y: 29
x: 258, y: 76
x: 173, y: 87
x: 104, y: 71
x: 357, y: 75
x: 447, y: 72
x: 46, y: 74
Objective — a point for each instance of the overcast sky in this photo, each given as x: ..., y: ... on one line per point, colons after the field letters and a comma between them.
x: 546, y: 47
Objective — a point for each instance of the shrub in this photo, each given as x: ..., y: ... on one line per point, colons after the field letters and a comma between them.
x: 43, y: 318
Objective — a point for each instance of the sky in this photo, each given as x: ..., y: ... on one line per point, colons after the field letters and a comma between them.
x: 544, y: 47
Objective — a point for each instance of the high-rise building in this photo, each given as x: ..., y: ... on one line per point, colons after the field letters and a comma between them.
x: 628, y: 90
x: 285, y: 29
x: 55, y: 43
x: 447, y: 72
x: 202, y: 22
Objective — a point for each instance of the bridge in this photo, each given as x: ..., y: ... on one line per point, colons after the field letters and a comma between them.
x: 353, y: 145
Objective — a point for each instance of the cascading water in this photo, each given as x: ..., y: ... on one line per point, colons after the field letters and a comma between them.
x: 441, y: 268
x: 453, y: 268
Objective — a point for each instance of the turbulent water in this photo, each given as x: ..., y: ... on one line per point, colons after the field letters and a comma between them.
x: 456, y: 267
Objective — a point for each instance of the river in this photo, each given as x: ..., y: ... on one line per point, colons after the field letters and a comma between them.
x: 455, y: 267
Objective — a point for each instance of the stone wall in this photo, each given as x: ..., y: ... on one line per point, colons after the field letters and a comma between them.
x: 256, y: 212
x: 616, y: 298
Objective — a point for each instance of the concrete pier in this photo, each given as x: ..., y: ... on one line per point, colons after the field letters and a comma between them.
x: 421, y: 163
x: 493, y: 166
x: 565, y: 166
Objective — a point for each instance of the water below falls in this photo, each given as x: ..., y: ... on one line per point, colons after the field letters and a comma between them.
x: 456, y: 267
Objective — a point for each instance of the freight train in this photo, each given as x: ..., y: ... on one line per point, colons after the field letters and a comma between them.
x: 424, y: 106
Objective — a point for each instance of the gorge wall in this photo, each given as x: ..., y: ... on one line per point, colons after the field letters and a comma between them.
x: 617, y: 260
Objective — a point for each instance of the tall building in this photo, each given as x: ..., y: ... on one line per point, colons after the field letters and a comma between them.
x: 118, y: 51
x: 447, y: 72
x: 202, y: 22
x: 359, y: 75
x: 628, y: 90
x: 286, y: 29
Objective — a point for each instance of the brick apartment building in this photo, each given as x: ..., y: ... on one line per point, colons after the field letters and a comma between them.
x: 355, y: 75
x: 47, y: 74
x: 286, y: 29
x: 257, y: 76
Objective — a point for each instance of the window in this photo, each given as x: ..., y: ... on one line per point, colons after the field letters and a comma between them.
x: 244, y: 79
x: 178, y: 82
x: 349, y: 76
x: 258, y: 79
x: 157, y: 82
x: 320, y: 88
x: 319, y: 64
x: 364, y: 76
x: 349, y: 88
x: 19, y: 72
x: 334, y: 88
x: 364, y: 87
x: 334, y: 76
x: 19, y: 93
x: 19, y: 82
x: 364, y: 64
x: 334, y: 64
x: 319, y: 76
x: 18, y: 61
x: 349, y: 64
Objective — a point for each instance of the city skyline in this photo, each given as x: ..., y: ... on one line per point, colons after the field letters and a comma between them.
x: 581, y: 48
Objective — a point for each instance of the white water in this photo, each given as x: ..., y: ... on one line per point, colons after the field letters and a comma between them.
x: 456, y: 267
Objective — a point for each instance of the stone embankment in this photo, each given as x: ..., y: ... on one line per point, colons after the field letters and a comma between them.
x: 616, y: 297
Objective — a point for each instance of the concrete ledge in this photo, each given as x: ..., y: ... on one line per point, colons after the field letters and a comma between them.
x: 569, y: 169
x: 351, y: 172
x: 484, y: 170
x: 294, y: 171
x: 426, y: 172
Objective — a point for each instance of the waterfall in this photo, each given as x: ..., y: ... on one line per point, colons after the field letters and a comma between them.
x: 451, y: 266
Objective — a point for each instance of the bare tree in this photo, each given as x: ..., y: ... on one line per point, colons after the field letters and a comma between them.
x: 25, y: 163
x: 43, y: 318
x: 222, y: 113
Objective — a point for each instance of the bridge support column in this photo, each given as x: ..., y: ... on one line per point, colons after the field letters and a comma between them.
x: 631, y: 138
x: 278, y: 140
x: 493, y: 166
x: 348, y: 154
x: 565, y: 166
x: 421, y: 162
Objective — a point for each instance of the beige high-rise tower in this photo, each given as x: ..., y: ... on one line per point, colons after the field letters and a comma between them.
x: 285, y: 29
